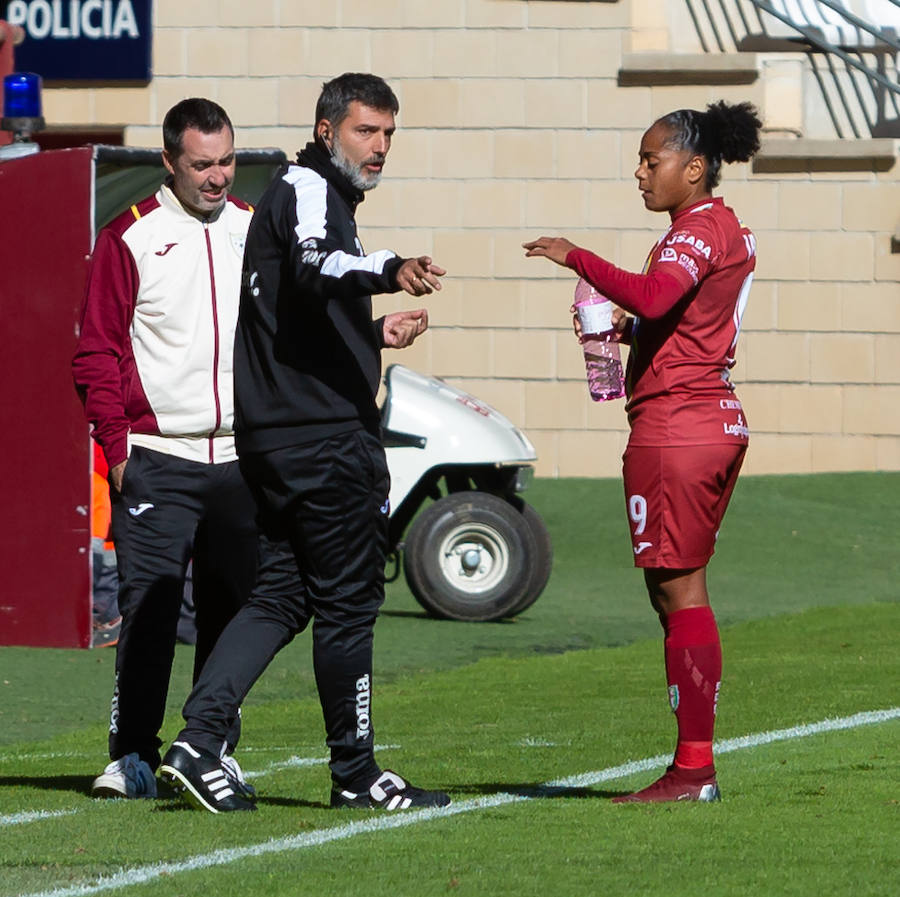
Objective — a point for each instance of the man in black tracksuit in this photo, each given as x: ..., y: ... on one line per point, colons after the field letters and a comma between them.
x: 307, y: 367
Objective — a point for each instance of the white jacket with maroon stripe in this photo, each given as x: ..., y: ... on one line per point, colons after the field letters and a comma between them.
x: 154, y: 359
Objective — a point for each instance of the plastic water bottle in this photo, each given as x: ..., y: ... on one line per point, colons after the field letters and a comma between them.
x: 600, y: 341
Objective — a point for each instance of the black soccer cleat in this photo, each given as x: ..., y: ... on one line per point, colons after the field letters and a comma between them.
x: 200, y: 778
x: 389, y: 792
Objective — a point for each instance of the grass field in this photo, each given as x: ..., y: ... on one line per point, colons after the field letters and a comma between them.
x: 531, y: 725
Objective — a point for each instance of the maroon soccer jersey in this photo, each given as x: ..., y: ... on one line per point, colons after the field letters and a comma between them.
x: 688, y: 306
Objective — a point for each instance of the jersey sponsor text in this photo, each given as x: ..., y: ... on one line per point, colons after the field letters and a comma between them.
x: 700, y: 247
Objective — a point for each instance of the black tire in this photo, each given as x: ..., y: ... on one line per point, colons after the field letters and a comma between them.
x: 470, y: 556
x: 543, y: 556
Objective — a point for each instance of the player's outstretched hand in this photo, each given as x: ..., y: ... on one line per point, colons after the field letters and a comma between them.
x: 554, y: 248
x: 419, y: 276
x: 402, y: 327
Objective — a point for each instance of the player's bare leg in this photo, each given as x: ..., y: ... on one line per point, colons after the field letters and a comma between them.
x: 674, y: 590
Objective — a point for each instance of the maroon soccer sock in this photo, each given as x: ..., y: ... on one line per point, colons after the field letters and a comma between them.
x: 694, y: 672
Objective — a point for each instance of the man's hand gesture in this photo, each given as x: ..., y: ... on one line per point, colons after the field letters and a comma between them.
x: 402, y: 327
x: 419, y: 276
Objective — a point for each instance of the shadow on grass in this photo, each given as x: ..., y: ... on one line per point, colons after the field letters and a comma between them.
x: 292, y: 802
x: 76, y: 784
x: 458, y: 792
x: 407, y: 614
x: 173, y: 804
x: 531, y: 790
x: 166, y: 804
x: 424, y: 615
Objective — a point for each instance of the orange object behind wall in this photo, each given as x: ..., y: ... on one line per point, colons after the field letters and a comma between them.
x: 10, y: 36
x: 101, y: 509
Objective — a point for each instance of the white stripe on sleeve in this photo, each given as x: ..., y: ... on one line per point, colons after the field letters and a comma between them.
x: 340, y: 263
x: 310, y: 192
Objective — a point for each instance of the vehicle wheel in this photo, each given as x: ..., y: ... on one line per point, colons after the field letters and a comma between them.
x: 543, y: 556
x: 470, y: 556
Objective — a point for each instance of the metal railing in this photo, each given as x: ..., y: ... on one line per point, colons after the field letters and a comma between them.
x: 853, y: 61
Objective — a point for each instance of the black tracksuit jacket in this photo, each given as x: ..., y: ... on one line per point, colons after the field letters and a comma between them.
x: 307, y: 353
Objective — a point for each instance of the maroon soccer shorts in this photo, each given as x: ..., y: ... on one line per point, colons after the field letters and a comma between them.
x: 676, y: 497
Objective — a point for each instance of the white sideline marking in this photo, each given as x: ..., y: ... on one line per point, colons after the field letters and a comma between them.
x: 129, y: 877
x: 50, y: 755
x: 294, y: 762
x: 531, y: 742
x: 728, y: 745
x: 290, y: 763
x: 36, y: 815
x: 32, y: 815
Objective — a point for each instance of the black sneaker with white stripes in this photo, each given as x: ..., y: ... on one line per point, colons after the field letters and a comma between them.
x: 199, y: 777
x: 389, y: 792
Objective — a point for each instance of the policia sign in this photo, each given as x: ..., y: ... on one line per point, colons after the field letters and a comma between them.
x: 83, y: 40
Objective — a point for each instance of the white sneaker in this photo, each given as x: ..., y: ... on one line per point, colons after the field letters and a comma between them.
x: 236, y: 775
x: 129, y: 777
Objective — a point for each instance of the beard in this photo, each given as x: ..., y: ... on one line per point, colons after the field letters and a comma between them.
x: 353, y: 171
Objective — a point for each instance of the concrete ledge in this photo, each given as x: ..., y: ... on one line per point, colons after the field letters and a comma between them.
x: 650, y: 69
x: 879, y: 154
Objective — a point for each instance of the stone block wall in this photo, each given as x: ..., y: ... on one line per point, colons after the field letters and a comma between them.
x: 513, y: 124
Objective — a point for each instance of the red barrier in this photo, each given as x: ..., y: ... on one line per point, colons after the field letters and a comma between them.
x: 45, y: 459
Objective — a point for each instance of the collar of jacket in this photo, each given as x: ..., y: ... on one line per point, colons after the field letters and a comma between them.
x: 169, y: 198
x: 316, y: 157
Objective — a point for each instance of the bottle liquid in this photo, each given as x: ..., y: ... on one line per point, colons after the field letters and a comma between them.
x: 600, y: 341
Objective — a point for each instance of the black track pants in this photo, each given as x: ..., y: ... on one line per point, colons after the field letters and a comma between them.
x: 169, y: 510
x: 323, y: 518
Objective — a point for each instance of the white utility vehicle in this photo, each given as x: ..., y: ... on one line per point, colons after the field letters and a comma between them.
x: 476, y: 551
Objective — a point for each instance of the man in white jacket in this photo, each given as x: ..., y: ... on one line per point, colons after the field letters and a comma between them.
x: 154, y: 370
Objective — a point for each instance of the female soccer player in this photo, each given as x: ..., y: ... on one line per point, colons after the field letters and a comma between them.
x: 688, y: 430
